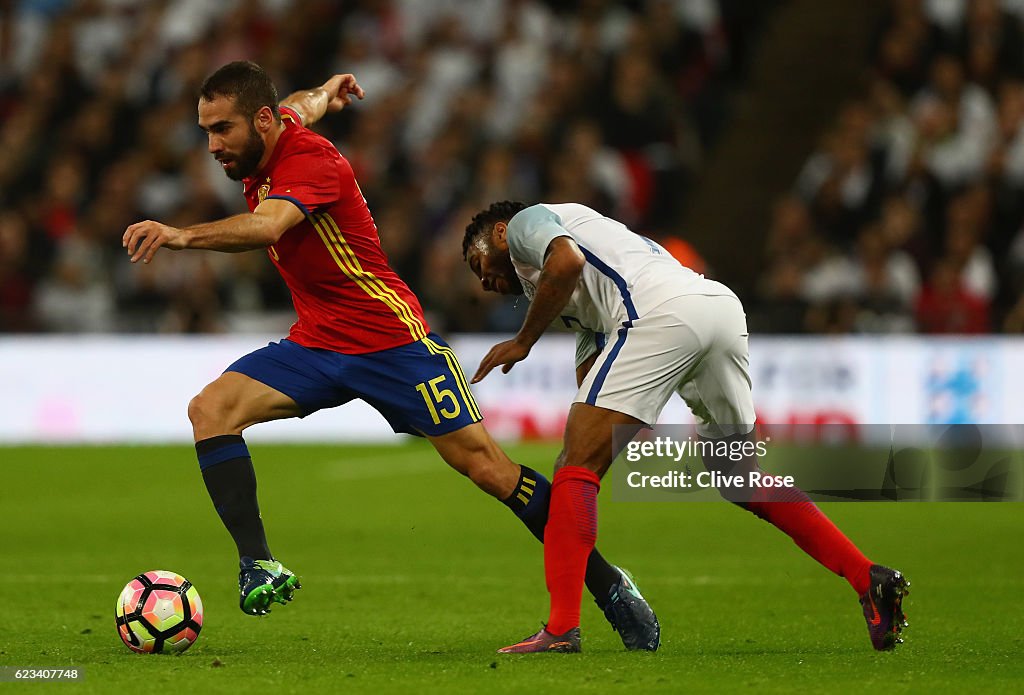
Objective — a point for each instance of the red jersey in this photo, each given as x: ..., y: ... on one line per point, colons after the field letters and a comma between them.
x: 346, y: 296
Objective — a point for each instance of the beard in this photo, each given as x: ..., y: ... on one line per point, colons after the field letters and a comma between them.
x: 249, y: 158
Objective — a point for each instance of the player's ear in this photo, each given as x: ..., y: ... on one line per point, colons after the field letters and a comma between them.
x: 264, y: 119
x: 500, y: 234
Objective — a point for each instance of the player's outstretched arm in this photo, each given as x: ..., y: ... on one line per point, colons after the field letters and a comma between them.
x: 330, y: 97
x: 562, y: 268
x: 258, y: 229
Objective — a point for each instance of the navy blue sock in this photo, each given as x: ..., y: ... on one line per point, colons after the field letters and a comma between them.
x: 530, y: 501
x: 231, y: 481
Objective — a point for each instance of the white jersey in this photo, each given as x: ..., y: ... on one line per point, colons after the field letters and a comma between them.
x: 626, y: 274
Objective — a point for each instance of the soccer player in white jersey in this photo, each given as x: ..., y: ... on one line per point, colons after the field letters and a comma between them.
x: 647, y: 327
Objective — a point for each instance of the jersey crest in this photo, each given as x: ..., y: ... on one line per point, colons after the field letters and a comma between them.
x: 529, y: 289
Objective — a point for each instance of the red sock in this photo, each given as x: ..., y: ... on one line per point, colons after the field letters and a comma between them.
x: 793, y: 512
x: 568, y: 539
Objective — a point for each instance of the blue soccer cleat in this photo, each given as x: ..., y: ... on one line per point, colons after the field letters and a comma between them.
x: 631, y: 616
x: 262, y: 582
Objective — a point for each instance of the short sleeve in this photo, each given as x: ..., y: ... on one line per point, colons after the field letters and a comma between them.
x: 530, y: 232
x: 290, y: 114
x: 309, y: 177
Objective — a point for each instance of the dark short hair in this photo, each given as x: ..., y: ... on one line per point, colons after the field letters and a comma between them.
x: 245, y: 82
x: 484, y: 220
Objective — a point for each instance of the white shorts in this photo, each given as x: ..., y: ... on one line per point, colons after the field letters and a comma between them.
x: 695, y: 346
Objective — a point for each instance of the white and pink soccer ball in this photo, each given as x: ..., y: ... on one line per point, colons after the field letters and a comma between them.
x: 159, y: 611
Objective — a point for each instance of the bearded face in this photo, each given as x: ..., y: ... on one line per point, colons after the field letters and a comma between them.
x: 243, y: 164
x: 232, y: 137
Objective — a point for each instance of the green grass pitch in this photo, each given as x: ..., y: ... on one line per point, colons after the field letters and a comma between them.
x: 412, y: 578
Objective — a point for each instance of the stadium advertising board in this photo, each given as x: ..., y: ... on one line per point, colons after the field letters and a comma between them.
x: 136, y: 389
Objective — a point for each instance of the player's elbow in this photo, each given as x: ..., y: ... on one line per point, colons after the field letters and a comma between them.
x: 571, y: 267
x: 274, y: 235
x: 267, y: 233
x: 269, y: 229
x: 565, y: 265
x: 272, y: 218
x: 577, y: 264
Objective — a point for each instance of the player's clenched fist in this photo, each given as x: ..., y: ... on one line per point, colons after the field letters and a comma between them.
x: 142, y: 239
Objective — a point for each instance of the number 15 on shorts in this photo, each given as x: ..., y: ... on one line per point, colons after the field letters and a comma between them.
x: 437, y: 399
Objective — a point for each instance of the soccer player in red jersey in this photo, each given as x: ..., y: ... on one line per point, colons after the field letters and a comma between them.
x: 360, y: 332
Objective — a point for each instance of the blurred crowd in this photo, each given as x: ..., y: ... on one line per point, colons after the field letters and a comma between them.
x: 604, y: 102
x: 909, y: 216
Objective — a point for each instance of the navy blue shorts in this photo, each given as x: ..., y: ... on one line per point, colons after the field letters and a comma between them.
x: 419, y: 388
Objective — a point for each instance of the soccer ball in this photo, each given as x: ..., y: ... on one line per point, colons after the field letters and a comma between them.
x: 159, y: 611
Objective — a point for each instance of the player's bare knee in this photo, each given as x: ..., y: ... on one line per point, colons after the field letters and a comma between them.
x: 197, y: 411
x: 208, y: 415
